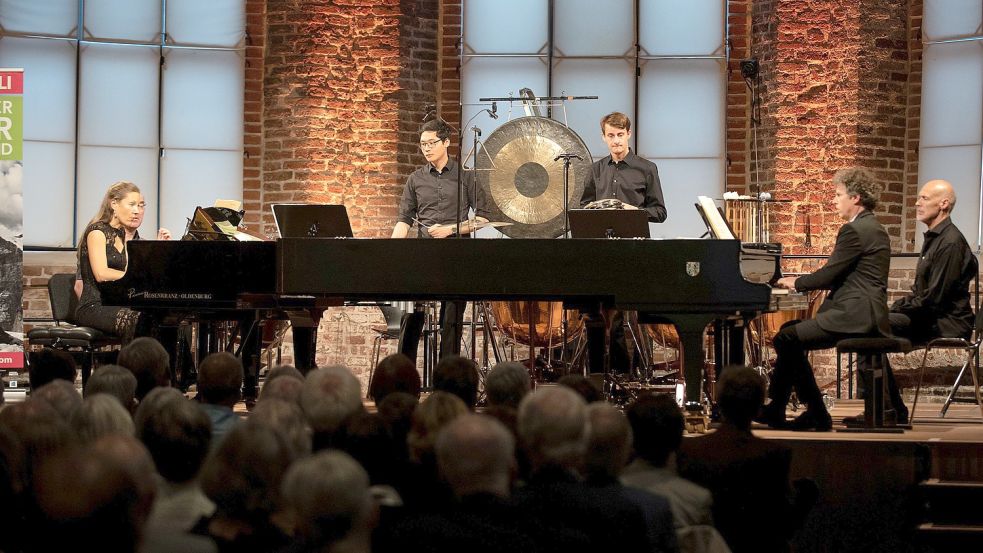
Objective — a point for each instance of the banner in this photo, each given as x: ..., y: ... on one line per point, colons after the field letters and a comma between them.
x: 11, y: 225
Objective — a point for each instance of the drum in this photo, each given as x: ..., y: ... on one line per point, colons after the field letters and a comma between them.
x: 513, y: 320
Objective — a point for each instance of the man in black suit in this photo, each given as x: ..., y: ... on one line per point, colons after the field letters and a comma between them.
x: 856, y: 276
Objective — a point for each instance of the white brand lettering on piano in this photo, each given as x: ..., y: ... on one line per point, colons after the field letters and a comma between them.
x: 175, y: 296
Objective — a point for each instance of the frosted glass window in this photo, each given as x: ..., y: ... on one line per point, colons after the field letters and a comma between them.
x: 682, y: 181
x: 118, y: 95
x: 47, y: 17
x: 49, y: 181
x: 612, y: 81
x: 191, y: 178
x: 592, y: 28
x: 127, y: 20
x: 49, y: 85
x: 202, y: 99
x: 681, y: 109
x: 952, y: 18
x: 959, y: 165
x: 506, y: 26
x: 213, y: 23
x: 98, y: 167
x: 681, y: 27
x: 952, y: 93
x: 498, y: 77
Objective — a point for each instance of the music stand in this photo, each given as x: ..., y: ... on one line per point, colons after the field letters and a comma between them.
x: 312, y: 221
x: 609, y: 223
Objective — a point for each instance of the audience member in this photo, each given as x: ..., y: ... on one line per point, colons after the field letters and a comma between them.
x: 149, y: 362
x: 60, y: 394
x: 329, y: 496
x: 219, y: 389
x: 100, y: 415
x: 115, y: 381
x: 459, y: 376
x: 286, y: 418
x: 583, y: 386
x: 506, y: 384
x: 748, y: 476
x: 177, y: 434
x: 243, y: 478
x: 395, y: 373
x: 397, y: 412
x: 285, y: 387
x: 422, y: 487
x: 50, y: 364
x: 608, y: 449
x: 283, y: 370
x: 330, y: 396
x: 657, y: 425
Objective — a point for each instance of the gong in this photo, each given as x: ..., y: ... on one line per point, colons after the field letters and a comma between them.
x: 522, y: 182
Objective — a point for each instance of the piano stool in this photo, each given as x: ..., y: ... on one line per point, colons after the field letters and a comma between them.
x: 876, y: 417
x: 65, y: 334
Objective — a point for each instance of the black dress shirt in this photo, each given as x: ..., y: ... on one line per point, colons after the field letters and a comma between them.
x: 939, y: 302
x: 633, y: 180
x: 431, y: 197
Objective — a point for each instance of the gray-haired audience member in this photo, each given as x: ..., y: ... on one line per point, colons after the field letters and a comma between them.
x: 284, y: 417
x: 330, y: 396
x: 177, y: 433
x: 283, y: 370
x: 506, y: 384
x: 476, y: 455
x: 329, y: 495
x: 285, y: 387
x: 100, y: 415
x: 149, y: 362
x: 115, y: 381
x: 657, y: 424
x: 608, y: 450
x: 50, y: 364
x: 553, y: 429
x: 219, y: 388
x: 60, y: 394
x: 459, y: 376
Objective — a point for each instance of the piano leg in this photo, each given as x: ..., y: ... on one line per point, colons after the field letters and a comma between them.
x: 691, y: 330
x: 305, y: 346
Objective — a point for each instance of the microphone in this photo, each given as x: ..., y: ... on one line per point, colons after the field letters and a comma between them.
x: 494, y: 110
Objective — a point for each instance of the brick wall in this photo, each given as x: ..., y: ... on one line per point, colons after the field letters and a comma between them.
x: 738, y: 98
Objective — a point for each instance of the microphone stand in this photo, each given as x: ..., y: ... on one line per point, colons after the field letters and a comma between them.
x: 566, y: 157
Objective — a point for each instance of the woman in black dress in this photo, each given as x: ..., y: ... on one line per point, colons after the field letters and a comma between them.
x: 102, y: 258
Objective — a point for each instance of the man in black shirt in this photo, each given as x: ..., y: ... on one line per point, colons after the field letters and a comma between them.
x: 634, y: 181
x: 939, y: 303
x: 430, y: 199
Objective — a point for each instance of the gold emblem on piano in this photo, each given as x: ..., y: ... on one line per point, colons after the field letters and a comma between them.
x: 692, y: 268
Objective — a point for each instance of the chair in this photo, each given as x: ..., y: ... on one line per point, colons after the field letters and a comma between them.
x: 65, y: 334
x: 393, y: 314
x: 877, y: 418
x: 972, y: 349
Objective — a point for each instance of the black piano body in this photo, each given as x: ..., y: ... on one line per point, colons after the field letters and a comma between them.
x: 689, y: 283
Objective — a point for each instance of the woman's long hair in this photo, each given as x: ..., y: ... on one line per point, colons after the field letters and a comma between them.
x: 116, y: 192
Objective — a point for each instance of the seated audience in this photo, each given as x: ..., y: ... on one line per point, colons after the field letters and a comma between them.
x: 116, y: 382
x: 219, y: 389
x: 459, y: 376
x: 285, y: 387
x: 397, y: 412
x: 283, y: 370
x: 100, y: 415
x: 149, y: 362
x: 583, y: 386
x: 506, y: 384
x: 60, y: 394
x: 330, y: 396
x: 287, y: 418
x: 50, y: 364
x: 423, y: 487
x: 395, y: 373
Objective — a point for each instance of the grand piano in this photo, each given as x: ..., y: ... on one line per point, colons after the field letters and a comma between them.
x: 689, y: 283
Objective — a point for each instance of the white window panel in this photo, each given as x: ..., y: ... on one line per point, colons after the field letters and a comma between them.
x: 952, y: 18
x: 118, y: 95
x: 47, y: 17
x: 682, y: 181
x: 49, y: 85
x: 202, y: 99
x: 99, y: 167
x: 128, y: 20
x: 681, y: 109
x: 191, y: 178
x: 49, y: 178
x: 591, y: 28
x: 681, y: 27
x: 611, y: 80
x: 498, y: 77
x: 219, y: 23
x: 952, y: 92
x: 959, y: 165
x: 506, y: 26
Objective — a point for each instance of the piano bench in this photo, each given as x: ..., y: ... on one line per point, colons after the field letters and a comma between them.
x: 877, y: 418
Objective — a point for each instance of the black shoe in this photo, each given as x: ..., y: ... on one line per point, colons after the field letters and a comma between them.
x: 901, y: 414
x: 817, y: 420
x: 773, y: 417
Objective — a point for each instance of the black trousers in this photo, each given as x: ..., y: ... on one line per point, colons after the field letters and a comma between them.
x: 792, y: 369
x: 597, y: 330
x: 451, y: 330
